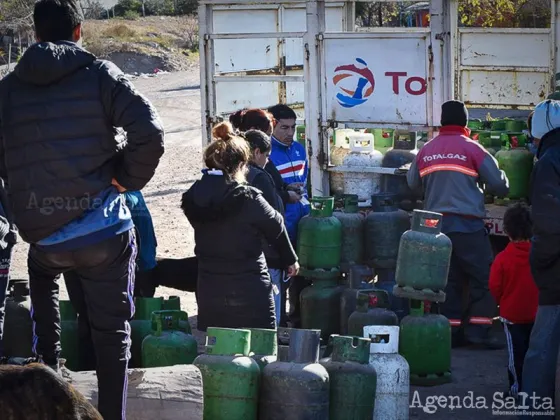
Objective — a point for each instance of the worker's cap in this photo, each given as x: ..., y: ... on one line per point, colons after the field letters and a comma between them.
x: 545, y: 118
x: 454, y: 113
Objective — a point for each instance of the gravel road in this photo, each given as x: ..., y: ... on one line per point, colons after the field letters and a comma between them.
x: 177, y: 98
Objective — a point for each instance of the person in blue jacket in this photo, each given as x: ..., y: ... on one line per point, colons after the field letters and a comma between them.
x: 146, y: 260
x: 290, y: 159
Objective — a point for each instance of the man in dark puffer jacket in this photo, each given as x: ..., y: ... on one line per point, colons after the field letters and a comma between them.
x: 66, y: 170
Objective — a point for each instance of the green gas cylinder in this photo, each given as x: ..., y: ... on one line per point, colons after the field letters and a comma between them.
x: 425, y: 343
x: 475, y: 124
x: 18, y: 327
x: 299, y: 387
x: 517, y: 163
x: 518, y: 139
x: 484, y: 138
x: 300, y: 134
x: 141, y: 326
x: 230, y: 377
x: 356, y: 280
x: 353, y: 224
x: 69, y: 339
x: 172, y: 303
x: 496, y: 138
x: 424, y: 258
x: 498, y: 125
x: 168, y: 344
x: 353, y: 381
x: 514, y: 126
x: 385, y: 225
x: 320, y: 240
x: 320, y: 306
x: 371, y: 309
x: 264, y: 346
x: 382, y: 139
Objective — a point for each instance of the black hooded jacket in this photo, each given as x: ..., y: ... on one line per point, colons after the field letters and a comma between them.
x: 545, y: 209
x: 60, y: 111
x: 230, y: 220
x: 281, y: 186
x: 262, y: 180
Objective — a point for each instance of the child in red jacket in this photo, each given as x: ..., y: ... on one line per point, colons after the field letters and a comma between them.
x: 512, y: 285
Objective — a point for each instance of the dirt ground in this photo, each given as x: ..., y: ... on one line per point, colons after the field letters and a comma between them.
x: 479, y: 373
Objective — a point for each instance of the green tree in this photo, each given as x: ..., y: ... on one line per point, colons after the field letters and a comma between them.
x: 505, y: 13
x: 381, y: 13
x: 478, y: 13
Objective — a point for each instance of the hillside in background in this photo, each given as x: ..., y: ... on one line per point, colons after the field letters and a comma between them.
x: 145, y: 45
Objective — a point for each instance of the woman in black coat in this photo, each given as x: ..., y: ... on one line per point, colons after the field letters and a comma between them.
x: 261, y: 179
x: 230, y: 220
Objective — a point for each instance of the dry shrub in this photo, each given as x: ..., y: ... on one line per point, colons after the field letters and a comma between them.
x: 189, y: 32
x: 119, y: 31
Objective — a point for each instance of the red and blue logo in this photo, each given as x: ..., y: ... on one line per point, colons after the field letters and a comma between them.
x: 355, y: 83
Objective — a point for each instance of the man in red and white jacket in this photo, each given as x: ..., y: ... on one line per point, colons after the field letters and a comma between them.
x: 448, y: 169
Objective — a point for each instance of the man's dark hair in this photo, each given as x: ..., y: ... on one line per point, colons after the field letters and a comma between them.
x: 282, y: 112
x: 518, y: 224
x: 55, y: 20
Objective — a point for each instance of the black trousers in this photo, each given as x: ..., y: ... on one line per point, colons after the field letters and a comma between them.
x: 105, y: 272
x: 469, y: 306
x: 517, y: 338
x: 297, y: 284
x: 180, y: 274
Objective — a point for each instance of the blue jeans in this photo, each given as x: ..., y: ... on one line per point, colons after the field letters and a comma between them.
x: 5, y: 261
x: 539, y: 368
x: 276, y: 277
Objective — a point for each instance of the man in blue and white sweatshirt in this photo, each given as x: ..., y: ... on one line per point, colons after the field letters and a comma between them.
x: 290, y: 159
x: 66, y: 168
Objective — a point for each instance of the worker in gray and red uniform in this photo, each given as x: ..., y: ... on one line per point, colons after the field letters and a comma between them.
x: 448, y: 169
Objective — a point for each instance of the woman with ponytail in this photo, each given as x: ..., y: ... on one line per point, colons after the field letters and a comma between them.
x: 230, y: 221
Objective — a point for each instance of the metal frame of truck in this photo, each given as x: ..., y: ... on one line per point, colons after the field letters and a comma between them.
x: 412, y: 70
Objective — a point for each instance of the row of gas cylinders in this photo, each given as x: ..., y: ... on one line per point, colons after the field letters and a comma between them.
x: 331, y: 241
x: 416, y: 268
x: 246, y: 377
x: 158, y: 329
x: 506, y: 140
x: 359, y: 151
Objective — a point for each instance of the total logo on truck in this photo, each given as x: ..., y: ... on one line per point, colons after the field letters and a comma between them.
x: 356, y: 83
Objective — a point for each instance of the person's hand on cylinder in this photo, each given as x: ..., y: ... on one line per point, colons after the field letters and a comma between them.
x: 293, y: 269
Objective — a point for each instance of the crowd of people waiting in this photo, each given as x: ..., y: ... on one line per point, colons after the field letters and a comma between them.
x: 78, y: 143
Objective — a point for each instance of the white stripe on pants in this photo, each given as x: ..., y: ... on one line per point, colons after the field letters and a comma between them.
x: 511, y: 361
x: 276, y: 276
